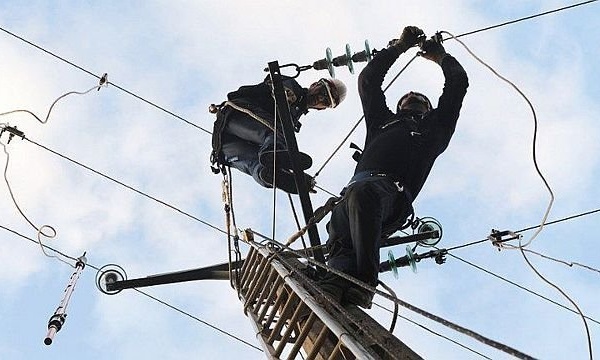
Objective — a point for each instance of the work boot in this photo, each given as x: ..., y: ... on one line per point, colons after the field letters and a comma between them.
x: 359, y: 296
x: 282, y: 159
x: 334, y: 286
x: 284, y: 180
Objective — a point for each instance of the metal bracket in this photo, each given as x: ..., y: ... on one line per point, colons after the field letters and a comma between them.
x: 498, y: 237
x: 13, y: 131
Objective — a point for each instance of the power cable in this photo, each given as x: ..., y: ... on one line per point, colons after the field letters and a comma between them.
x: 98, y: 77
x: 13, y: 131
x: 142, y: 292
x: 567, y: 218
x: 431, y: 331
x: 126, y: 186
x: 495, y: 344
x: 517, y: 285
x: 547, y: 212
x: 526, y: 18
x: 564, y: 294
x: 568, y: 263
x: 534, y: 142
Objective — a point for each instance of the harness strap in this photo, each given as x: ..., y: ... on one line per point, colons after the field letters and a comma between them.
x: 216, y: 156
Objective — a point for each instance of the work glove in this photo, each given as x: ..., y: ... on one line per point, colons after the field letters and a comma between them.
x: 433, y: 50
x: 411, y: 36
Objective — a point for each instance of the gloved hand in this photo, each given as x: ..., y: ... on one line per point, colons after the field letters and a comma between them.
x: 433, y: 50
x: 411, y: 36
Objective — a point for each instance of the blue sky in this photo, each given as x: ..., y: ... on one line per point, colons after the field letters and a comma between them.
x: 185, y: 55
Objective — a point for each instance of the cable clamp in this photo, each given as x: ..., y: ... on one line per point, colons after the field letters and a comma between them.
x: 13, y: 131
x: 499, y: 237
x: 103, y: 81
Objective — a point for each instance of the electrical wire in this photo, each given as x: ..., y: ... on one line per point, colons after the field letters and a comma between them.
x: 534, y: 142
x: 567, y: 263
x: 571, y: 217
x: 431, y: 331
x: 3, y: 126
x: 97, y: 87
x: 214, y: 327
x: 521, y: 246
x: 547, y: 212
x: 564, y: 294
x: 99, y: 78
x: 526, y: 18
x: 478, y: 267
x: 126, y: 186
x: 495, y: 344
x: 208, y: 132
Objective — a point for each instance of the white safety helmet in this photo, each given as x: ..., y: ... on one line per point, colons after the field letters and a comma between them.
x: 336, y: 90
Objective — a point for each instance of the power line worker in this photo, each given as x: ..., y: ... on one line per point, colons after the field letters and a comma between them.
x: 243, y: 135
x: 399, y: 152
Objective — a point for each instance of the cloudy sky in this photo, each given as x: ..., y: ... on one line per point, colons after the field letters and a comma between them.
x: 185, y: 55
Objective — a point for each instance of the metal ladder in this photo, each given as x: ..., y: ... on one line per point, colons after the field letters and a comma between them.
x: 288, y: 319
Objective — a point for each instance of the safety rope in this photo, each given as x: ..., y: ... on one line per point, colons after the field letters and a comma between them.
x: 249, y: 113
x: 232, y: 240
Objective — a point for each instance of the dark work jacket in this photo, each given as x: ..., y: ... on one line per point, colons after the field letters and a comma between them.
x: 404, y: 145
x: 259, y: 99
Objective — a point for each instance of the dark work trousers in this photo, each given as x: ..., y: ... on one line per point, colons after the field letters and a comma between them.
x: 242, y: 155
x: 243, y: 140
x: 355, y: 228
x: 247, y: 128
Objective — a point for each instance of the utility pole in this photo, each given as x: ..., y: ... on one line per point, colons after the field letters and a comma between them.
x: 287, y: 313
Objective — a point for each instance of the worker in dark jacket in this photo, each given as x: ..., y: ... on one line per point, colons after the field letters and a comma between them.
x: 399, y: 152
x: 244, y: 137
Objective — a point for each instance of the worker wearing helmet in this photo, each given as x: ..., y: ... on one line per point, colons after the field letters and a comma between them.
x: 243, y: 135
x: 399, y: 152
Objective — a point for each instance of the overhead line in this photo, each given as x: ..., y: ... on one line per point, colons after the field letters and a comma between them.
x: 127, y: 186
x: 209, y: 132
x: 526, y: 18
x: 139, y: 291
x: 520, y: 286
x: 528, y: 228
x: 431, y: 331
x: 109, y: 82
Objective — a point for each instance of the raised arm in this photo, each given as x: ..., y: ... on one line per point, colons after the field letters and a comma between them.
x: 371, y: 78
x: 455, y: 83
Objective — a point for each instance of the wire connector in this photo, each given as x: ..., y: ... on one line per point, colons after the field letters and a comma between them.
x: 499, y: 237
x: 103, y: 81
x: 12, y: 132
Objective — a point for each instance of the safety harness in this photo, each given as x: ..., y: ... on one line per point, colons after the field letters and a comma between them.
x: 223, y: 110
